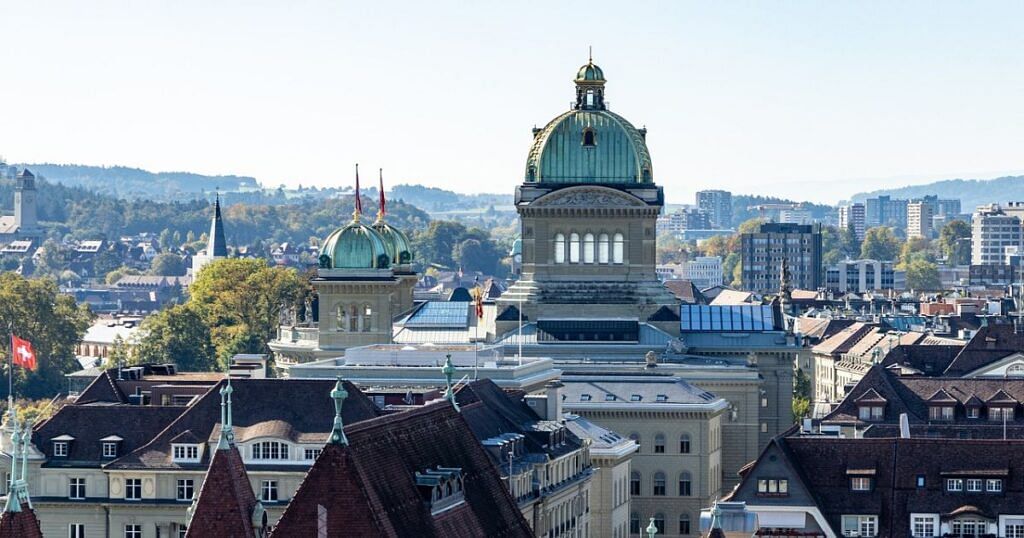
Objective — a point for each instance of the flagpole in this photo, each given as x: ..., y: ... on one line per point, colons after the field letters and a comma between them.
x: 10, y: 365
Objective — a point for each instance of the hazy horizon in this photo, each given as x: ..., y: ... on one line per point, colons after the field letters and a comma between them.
x: 801, y: 100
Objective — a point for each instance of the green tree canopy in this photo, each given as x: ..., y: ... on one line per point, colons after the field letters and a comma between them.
x: 167, y: 264
x: 51, y: 321
x: 923, y: 275
x: 880, y: 243
x: 956, y: 251
x: 177, y: 334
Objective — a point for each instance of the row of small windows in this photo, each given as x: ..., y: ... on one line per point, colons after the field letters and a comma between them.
x: 605, y: 249
x: 684, y: 487
x: 636, y: 526
x: 659, y: 443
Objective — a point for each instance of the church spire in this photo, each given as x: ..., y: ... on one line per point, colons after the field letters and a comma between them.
x: 218, y: 247
x: 381, y: 210
x: 359, y: 202
x: 227, y: 433
x: 338, y: 431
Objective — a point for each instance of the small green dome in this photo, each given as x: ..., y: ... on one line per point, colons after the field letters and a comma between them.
x: 355, y: 246
x: 589, y: 72
x: 396, y: 241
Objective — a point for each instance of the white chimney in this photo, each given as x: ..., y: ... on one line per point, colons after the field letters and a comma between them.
x: 904, y: 426
x: 554, y: 400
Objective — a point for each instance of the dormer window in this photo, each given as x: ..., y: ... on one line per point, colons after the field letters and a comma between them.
x: 662, y: 398
x: 442, y: 488
x: 585, y: 397
x: 635, y: 398
x: 589, y: 138
x: 609, y: 397
x: 61, y: 445
x: 871, y: 412
x: 270, y: 450
x: 940, y: 412
x: 109, y: 446
x: 185, y: 453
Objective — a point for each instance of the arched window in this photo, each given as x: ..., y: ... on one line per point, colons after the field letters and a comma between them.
x: 659, y: 522
x: 684, y: 524
x: 685, y: 489
x: 634, y: 523
x: 618, y: 248
x: 1015, y: 370
x: 588, y: 248
x: 602, y: 248
x: 659, y: 483
x: 634, y: 483
x: 659, y: 443
x: 589, y: 139
x: 684, y: 443
x: 636, y: 438
x: 342, y: 318
x: 574, y: 248
x: 559, y: 248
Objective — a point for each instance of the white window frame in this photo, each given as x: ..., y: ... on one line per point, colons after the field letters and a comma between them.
x: 112, y: 446
x: 954, y: 484
x: 132, y: 530
x: 994, y: 485
x: 184, y: 483
x: 185, y: 453
x: 60, y: 449
x: 76, y: 530
x: 267, y: 486
x: 857, y: 480
x: 137, y: 483
x: 930, y: 519
x: 74, y: 483
x: 860, y: 522
x: 311, y: 454
x: 974, y: 485
x: 1014, y: 520
x: 261, y: 450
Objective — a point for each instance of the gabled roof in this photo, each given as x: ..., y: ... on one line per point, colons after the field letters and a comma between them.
x: 304, y: 404
x: 90, y: 425
x: 942, y: 397
x: 23, y: 524
x: 1001, y: 397
x: 226, y: 502
x: 869, y: 397
x: 990, y: 343
x: 368, y: 487
x: 928, y: 359
x: 102, y: 389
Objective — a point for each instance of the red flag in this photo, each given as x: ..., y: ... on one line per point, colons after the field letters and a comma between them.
x: 382, y: 212
x: 359, y: 203
x: 23, y: 354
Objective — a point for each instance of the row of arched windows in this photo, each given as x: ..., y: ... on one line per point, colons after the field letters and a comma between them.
x: 659, y: 443
x: 355, y: 318
x: 636, y: 526
x: 590, y: 249
x: 659, y: 487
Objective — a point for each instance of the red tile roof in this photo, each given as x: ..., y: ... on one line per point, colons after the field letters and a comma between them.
x: 226, y: 501
x: 23, y: 524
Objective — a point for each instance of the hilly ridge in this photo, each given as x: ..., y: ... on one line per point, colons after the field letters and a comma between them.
x: 971, y: 192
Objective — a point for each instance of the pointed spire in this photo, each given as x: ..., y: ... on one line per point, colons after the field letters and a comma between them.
x: 218, y: 246
x: 17, y: 491
x: 590, y: 54
x: 381, y: 210
x: 338, y: 431
x: 227, y: 433
x: 359, y: 202
x: 449, y: 371
x: 12, y: 498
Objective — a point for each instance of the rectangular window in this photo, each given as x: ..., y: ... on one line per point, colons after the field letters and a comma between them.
x: 268, y: 491
x: 773, y: 486
x: 60, y: 449
x: 974, y: 485
x: 860, y: 526
x: 312, y: 453
x: 998, y: 414
x: 76, y: 530
x: 133, y: 531
x: 860, y: 483
x: 923, y: 526
x: 186, y: 489
x: 76, y: 488
x: 133, y: 489
x: 940, y: 412
x: 972, y: 412
x: 954, y: 484
x: 186, y: 452
x: 109, y: 450
x: 920, y: 480
x: 994, y: 485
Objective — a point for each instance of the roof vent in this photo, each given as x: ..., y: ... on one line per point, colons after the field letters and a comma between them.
x: 904, y: 426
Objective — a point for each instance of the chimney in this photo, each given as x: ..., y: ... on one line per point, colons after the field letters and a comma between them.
x: 554, y: 400
x: 904, y: 426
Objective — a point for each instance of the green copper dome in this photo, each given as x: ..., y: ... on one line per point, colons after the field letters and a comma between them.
x: 396, y: 241
x: 589, y: 144
x: 589, y: 72
x: 355, y: 246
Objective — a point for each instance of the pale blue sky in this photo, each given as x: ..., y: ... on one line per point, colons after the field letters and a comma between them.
x: 809, y: 99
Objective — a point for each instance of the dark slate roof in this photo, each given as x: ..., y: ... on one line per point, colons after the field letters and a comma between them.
x: 686, y: 291
x: 929, y: 360
x: 102, y: 389
x: 990, y: 344
x: 226, y: 501
x: 23, y: 524
x: 88, y: 424
x: 304, y: 405
x: 218, y: 245
x: 911, y: 395
x: 368, y: 488
x: 823, y: 466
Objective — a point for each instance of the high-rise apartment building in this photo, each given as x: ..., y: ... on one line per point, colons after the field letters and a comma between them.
x: 851, y: 217
x: 718, y: 206
x: 919, y: 219
x: 885, y: 211
x: 764, y: 251
x: 992, y: 230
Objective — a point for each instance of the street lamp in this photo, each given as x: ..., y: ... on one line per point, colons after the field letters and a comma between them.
x: 651, y: 529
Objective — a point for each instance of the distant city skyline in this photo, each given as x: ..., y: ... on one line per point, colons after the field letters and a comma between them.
x: 803, y: 100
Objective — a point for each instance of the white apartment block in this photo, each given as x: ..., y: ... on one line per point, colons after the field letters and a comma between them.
x: 919, y: 219
x: 704, y: 271
x: 852, y: 217
x: 992, y: 230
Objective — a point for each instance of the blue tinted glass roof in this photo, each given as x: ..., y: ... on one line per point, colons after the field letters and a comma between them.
x: 726, y: 318
x: 441, y: 314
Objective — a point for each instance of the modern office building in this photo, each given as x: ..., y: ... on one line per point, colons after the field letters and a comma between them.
x: 885, y: 211
x: 718, y: 205
x: 860, y: 276
x: 795, y: 215
x: 993, y: 229
x: 764, y: 252
x: 851, y: 217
